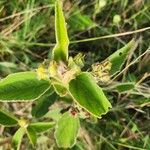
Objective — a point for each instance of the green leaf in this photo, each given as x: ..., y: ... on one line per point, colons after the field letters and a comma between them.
x: 43, y: 103
x: 124, y: 87
x: 60, y: 89
x: 66, y: 130
x: 89, y: 95
x: 39, y: 127
x: 7, y: 119
x: 80, y: 22
x: 142, y: 101
x: 23, y: 86
x: 31, y: 135
x: 17, y: 138
x: 54, y: 114
x: 60, y: 51
x: 118, y: 58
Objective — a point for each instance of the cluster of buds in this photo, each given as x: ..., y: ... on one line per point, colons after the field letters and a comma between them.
x: 23, y: 123
x: 101, y: 71
x: 61, y: 73
x: 42, y: 72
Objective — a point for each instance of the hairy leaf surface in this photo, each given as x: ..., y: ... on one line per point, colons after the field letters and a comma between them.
x: 67, y: 130
x: 22, y: 86
x: 89, y: 95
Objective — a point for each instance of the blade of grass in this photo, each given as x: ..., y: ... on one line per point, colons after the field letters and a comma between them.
x: 91, y: 39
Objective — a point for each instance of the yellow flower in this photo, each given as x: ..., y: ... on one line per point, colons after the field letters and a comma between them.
x: 42, y: 72
x: 23, y: 123
x: 53, y: 68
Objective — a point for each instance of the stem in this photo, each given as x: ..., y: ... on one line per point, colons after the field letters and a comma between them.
x: 5, y: 141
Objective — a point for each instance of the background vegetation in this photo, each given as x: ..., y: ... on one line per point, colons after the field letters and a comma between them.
x: 27, y: 38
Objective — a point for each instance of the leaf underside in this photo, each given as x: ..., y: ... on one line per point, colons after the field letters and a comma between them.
x: 17, y: 138
x: 31, y: 135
